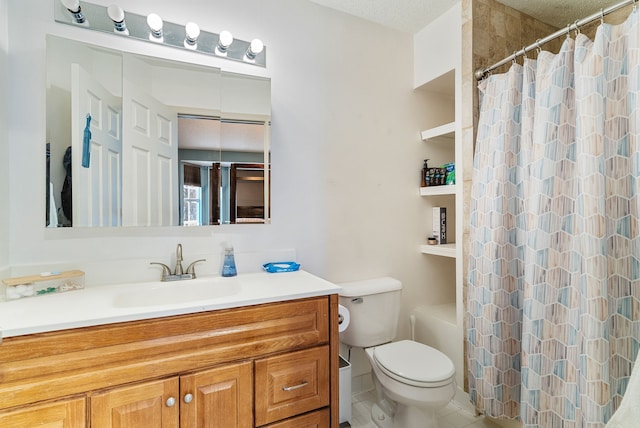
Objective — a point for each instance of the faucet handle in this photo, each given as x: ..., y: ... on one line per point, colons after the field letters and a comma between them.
x: 166, y: 270
x: 191, y: 268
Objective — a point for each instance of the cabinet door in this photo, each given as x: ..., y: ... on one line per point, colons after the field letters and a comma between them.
x: 63, y: 414
x: 218, y: 398
x: 291, y: 384
x: 149, y: 405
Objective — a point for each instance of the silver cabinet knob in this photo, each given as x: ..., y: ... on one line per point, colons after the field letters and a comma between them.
x: 188, y: 398
x: 170, y: 402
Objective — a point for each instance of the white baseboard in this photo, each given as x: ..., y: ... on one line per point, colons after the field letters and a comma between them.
x: 462, y: 400
x: 361, y: 383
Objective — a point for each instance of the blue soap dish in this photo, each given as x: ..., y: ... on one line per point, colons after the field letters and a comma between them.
x: 276, y: 267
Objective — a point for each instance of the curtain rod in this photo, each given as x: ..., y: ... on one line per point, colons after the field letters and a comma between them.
x: 482, y: 72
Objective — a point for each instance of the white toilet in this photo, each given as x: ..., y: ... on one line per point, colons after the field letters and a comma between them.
x: 412, y: 380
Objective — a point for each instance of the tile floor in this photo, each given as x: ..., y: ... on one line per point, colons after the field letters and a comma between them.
x: 452, y: 416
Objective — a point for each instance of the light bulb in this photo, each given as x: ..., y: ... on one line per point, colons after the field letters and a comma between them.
x: 116, y: 14
x: 73, y: 6
x: 255, y: 48
x: 192, y: 31
x: 155, y: 24
x: 224, y: 41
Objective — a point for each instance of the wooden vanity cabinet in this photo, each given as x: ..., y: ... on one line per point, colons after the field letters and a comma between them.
x: 272, y: 365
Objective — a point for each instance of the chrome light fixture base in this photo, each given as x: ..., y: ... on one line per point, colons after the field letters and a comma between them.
x: 173, y: 35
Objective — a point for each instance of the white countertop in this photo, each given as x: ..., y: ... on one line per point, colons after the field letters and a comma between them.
x: 135, y: 301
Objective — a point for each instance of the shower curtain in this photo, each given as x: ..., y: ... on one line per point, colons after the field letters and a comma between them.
x: 554, y: 259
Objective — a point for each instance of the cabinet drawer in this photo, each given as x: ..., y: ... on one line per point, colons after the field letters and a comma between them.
x: 291, y: 384
x: 317, y: 419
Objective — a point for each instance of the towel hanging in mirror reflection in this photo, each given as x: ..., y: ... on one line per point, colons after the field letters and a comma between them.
x: 86, y: 143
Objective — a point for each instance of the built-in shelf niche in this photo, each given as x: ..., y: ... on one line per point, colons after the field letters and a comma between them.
x: 440, y: 134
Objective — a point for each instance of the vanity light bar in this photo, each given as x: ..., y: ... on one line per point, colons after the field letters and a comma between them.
x: 99, y: 18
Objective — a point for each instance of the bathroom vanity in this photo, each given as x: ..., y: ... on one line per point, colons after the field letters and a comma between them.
x: 266, y: 355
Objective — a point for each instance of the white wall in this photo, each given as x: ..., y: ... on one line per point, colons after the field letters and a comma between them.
x: 346, y: 149
x: 4, y: 145
x: 437, y: 47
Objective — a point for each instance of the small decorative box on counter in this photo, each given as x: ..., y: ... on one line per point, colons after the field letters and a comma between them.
x: 38, y: 285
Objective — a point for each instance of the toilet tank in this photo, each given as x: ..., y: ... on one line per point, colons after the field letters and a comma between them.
x: 374, y: 309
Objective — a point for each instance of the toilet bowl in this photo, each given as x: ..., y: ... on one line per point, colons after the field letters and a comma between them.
x: 416, y: 378
x: 412, y: 380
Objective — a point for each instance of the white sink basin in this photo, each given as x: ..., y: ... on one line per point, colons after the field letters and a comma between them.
x: 168, y: 293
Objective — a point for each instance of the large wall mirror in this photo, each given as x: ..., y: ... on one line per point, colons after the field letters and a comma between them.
x: 140, y: 141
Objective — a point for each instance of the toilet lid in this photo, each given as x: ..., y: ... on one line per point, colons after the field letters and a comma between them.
x: 414, y: 363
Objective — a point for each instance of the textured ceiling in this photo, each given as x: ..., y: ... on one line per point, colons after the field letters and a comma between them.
x: 412, y: 15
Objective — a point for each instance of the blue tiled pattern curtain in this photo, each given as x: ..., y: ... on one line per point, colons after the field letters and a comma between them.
x: 554, y: 266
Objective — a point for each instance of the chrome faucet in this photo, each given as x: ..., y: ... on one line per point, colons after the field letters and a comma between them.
x: 178, y: 269
x: 178, y: 273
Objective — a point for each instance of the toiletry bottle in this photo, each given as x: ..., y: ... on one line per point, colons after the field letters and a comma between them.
x: 425, y: 174
x: 229, y: 263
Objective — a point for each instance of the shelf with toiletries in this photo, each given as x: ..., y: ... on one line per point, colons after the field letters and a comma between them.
x: 441, y: 179
x: 441, y: 236
x: 438, y: 184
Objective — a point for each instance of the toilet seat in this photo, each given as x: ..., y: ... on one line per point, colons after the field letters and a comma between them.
x: 414, y: 364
